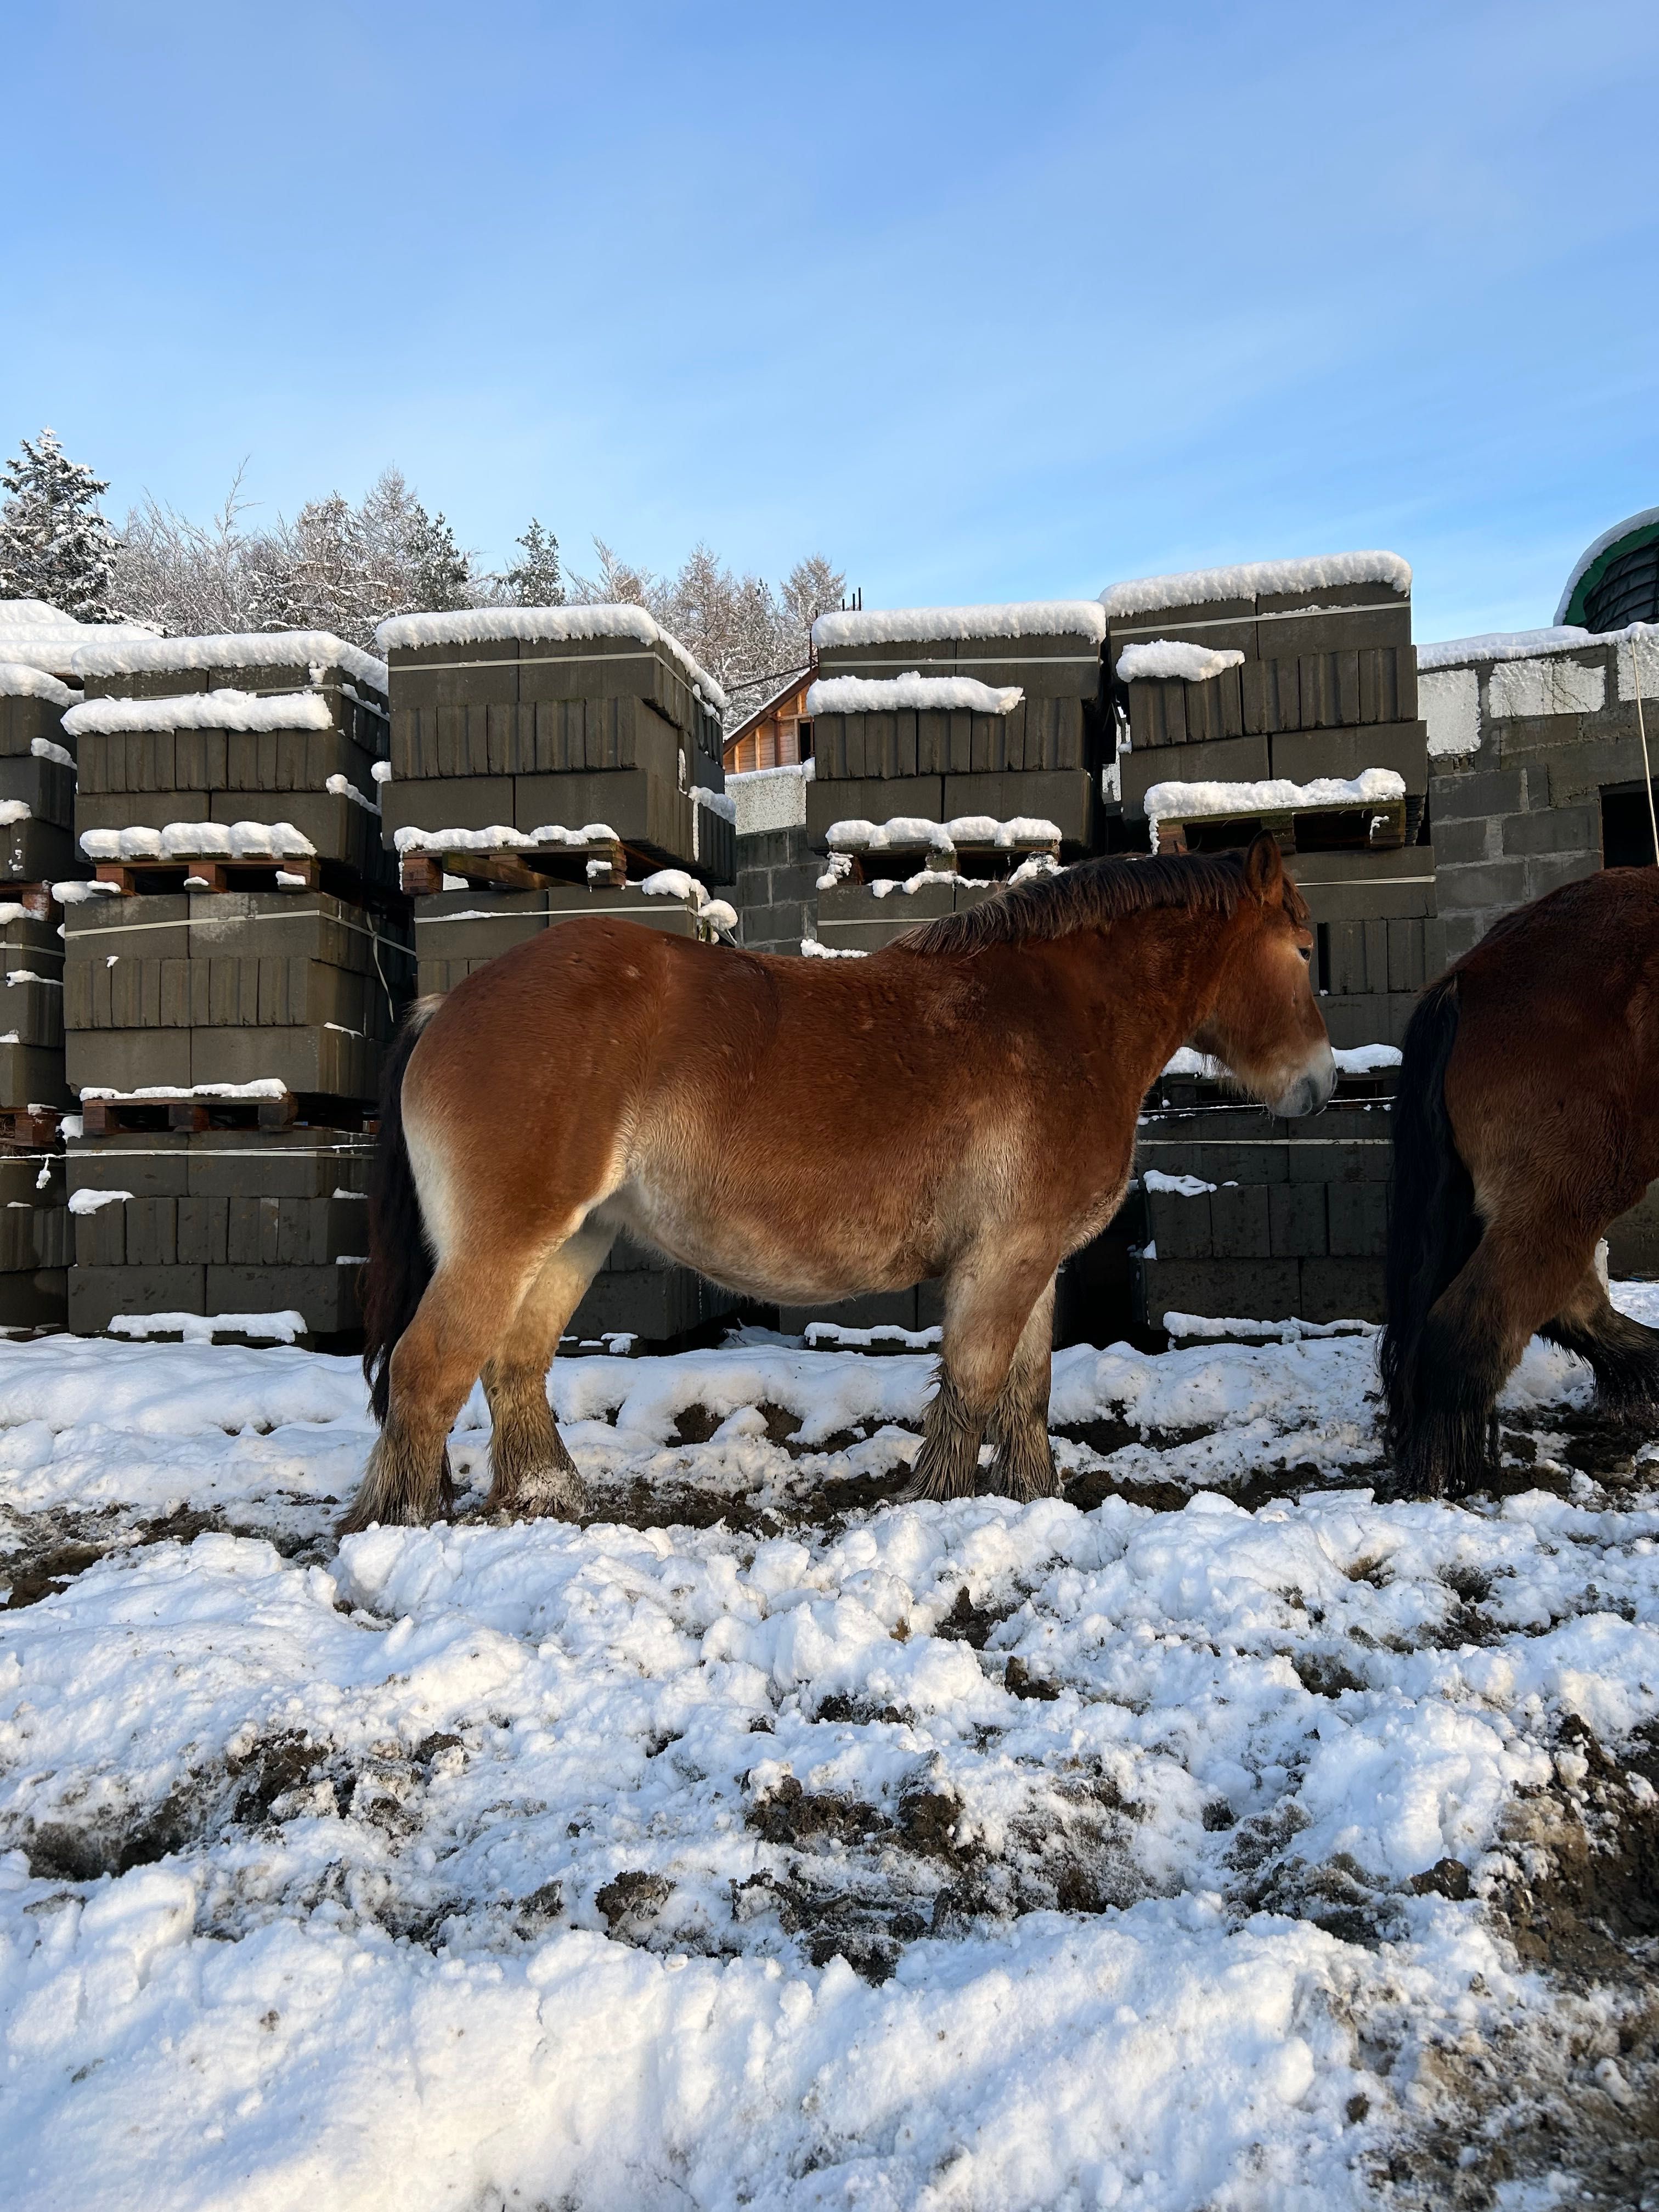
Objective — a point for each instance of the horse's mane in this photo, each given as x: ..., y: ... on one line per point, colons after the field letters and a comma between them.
x: 1093, y: 894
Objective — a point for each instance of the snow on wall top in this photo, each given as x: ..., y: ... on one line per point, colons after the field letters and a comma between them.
x: 1318, y: 571
x: 1275, y: 795
x: 1507, y: 645
x: 1592, y: 553
x: 140, y: 654
x: 1166, y: 660
x: 201, y: 710
x: 19, y: 679
x: 909, y: 625
x: 543, y: 626
x: 858, y: 695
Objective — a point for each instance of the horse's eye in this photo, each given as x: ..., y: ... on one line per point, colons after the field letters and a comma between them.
x: 1306, y: 950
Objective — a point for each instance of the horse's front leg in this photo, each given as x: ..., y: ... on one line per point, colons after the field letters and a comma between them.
x: 993, y: 1377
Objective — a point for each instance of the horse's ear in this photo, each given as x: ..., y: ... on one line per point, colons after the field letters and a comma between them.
x: 1264, y: 868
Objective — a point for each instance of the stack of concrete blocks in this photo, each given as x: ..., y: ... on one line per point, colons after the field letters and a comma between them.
x: 1242, y: 1215
x: 232, y: 978
x: 1536, y: 779
x: 952, y: 717
x: 37, y: 803
x: 547, y: 765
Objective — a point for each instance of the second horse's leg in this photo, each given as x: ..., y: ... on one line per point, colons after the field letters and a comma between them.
x: 533, y: 1472
x: 1477, y: 1329
x: 1623, y: 1352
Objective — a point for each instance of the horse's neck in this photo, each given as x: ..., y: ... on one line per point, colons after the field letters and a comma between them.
x: 1150, y: 975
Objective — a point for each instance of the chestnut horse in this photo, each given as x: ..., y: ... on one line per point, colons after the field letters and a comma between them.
x: 1526, y: 1120
x: 960, y: 1105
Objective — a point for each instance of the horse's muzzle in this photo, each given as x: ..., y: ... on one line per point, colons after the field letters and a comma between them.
x: 1309, y: 1093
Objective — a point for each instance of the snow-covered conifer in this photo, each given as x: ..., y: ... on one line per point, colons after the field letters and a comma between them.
x: 55, y: 543
x: 536, y: 580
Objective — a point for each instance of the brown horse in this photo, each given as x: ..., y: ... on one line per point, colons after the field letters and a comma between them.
x: 960, y: 1105
x: 1526, y: 1120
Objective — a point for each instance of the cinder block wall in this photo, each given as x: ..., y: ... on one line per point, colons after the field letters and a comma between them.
x: 1522, y: 749
x: 777, y: 871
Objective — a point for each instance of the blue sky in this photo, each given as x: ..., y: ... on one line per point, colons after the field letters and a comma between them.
x: 983, y: 302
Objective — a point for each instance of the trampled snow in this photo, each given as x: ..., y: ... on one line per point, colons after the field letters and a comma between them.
x: 1250, y: 580
x: 202, y: 710
x: 1079, y: 618
x: 543, y: 626
x: 945, y: 695
x: 18, y: 680
x: 1165, y: 660
x: 767, y: 1840
x: 117, y: 652
x: 1274, y: 795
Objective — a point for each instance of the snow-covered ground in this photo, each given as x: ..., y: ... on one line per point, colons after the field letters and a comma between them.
x: 1213, y: 1839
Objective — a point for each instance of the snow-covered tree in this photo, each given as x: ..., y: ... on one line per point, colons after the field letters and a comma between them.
x: 190, y: 579
x: 55, y: 543
x: 535, y: 580
x: 345, y: 568
x: 746, y: 634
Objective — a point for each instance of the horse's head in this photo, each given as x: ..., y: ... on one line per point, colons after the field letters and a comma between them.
x: 1264, y: 1023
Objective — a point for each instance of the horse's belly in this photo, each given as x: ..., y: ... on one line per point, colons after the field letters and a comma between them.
x: 748, y: 1252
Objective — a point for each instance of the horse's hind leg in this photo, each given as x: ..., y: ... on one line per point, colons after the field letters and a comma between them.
x: 1019, y: 1424
x: 1475, y: 1333
x: 464, y: 1313
x: 1623, y: 1352
x: 533, y: 1473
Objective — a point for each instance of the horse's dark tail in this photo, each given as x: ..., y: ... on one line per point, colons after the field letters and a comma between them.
x: 1433, y: 1225
x: 399, y: 1263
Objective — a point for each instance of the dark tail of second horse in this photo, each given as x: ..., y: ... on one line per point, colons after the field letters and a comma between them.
x: 1433, y: 1228
x: 399, y: 1263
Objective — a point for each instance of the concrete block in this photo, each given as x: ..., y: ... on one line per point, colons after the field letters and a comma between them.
x: 1554, y: 829
x: 34, y: 1298
x: 1482, y: 837
x: 1065, y: 797
x: 1296, y: 1219
x: 1633, y: 1239
x: 1358, y: 1220
x: 1485, y: 884
x: 1343, y: 1289
x: 1257, y: 1290
x: 1303, y: 755
x: 872, y: 800
x: 1179, y: 1226
x: 33, y: 1075
x: 1226, y: 760
x: 96, y: 1294
x: 1493, y: 791
x: 1239, y: 1222
x: 1548, y: 872
x: 127, y: 1060
x: 326, y: 1294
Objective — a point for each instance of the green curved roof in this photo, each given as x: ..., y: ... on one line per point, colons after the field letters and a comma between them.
x: 1626, y: 537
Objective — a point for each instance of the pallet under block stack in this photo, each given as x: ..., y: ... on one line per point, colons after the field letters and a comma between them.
x: 952, y: 747
x: 1283, y: 697
x: 233, y: 973
x: 549, y: 764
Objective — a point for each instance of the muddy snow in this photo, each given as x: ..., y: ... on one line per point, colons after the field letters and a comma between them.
x: 1212, y: 1837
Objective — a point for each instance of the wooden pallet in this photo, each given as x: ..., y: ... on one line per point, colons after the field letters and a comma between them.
x: 35, y: 899
x: 121, y: 1117
x: 985, y: 863
x: 133, y: 877
x: 604, y: 864
x: 27, y: 1128
x: 1379, y: 826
